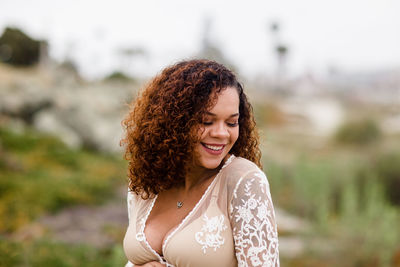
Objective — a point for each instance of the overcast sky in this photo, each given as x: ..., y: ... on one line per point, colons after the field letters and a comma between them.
x: 353, y: 35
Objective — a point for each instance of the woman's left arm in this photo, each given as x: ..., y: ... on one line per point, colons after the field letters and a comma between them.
x: 253, y: 223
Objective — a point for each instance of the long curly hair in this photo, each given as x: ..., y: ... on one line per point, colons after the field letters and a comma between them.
x: 162, y: 124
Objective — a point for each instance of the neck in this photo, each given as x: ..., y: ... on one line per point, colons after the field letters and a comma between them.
x: 195, y: 178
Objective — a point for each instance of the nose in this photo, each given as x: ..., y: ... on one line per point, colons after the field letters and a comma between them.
x: 219, y: 131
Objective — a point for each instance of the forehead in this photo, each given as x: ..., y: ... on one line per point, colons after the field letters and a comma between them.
x: 226, y: 101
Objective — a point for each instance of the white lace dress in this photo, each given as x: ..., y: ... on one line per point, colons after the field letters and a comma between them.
x: 233, y: 224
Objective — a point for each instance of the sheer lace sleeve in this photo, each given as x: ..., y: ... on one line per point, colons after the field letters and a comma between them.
x: 253, y: 222
x: 129, y: 200
x: 129, y: 204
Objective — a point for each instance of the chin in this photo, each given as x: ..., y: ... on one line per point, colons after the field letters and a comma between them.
x: 210, y: 163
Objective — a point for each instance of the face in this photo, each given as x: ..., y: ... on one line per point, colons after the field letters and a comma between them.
x: 219, y: 130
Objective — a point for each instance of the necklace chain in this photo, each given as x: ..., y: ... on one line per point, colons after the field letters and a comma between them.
x: 179, y: 204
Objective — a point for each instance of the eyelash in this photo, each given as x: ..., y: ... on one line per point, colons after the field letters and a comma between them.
x: 233, y: 124
x: 229, y: 124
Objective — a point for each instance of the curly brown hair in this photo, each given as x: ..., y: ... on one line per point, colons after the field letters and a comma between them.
x: 161, y: 127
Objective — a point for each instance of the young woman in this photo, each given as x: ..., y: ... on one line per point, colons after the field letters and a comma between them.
x: 197, y: 194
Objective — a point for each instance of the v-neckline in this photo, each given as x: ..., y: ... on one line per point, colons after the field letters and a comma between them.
x: 174, y: 229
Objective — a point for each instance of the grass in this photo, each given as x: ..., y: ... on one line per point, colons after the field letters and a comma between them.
x: 47, y: 253
x: 39, y: 174
x: 344, y: 195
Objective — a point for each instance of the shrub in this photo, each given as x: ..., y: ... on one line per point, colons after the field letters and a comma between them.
x: 386, y: 168
x: 119, y: 76
x: 50, y: 176
x: 48, y: 253
x: 19, y: 49
x: 358, y: 132
x: 346, y: 205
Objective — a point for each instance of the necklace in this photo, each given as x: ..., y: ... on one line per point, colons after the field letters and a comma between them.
x: 179, y: 204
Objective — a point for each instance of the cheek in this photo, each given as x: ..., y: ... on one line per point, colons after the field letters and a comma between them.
x: 235, y: 134
x: 201, y: 133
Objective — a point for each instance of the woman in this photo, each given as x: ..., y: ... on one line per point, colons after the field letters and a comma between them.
x: 197, y: 195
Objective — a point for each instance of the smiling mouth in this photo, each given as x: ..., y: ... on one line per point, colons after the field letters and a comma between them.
x: 214, y: 147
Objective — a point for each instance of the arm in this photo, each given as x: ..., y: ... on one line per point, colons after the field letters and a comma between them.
x: 253, y: 222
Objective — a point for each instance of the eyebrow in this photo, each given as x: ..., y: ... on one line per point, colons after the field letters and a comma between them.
x: 212, y: 114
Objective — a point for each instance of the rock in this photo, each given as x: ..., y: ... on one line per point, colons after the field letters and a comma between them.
x: 290, y: 229
x: 291, y: 247
x: 23, y: 103
x: 89, y: 224
x: 289, y: 224
x: 93, y: 113
x: 47, y: 121
x: 82, y: 115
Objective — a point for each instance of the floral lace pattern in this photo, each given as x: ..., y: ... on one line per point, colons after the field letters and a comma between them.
x: 210, y: 234
x: 243, y: 223
x: 253, y: 221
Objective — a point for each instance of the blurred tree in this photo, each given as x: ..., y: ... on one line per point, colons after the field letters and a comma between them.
x: 281, y: 52
x: 17, y: 48
x: 361, y: 132
x: 387, y: 167
x: 118, y: 76
x: 127, y: 57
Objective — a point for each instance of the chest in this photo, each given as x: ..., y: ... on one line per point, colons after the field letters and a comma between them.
x: 203, y: 238
x: 160, y: 224
x: 165, y: 216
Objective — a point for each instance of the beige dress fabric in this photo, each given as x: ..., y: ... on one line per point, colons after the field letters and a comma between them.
x: 233, y: 224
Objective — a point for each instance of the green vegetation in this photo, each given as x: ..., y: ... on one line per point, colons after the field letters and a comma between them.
x: 387, y: 169
x: 347, y: 203
x: 119, y: 76
x: 45, y: 252
x: 39, y: 174
x: 358, y: 132
x: 19, y: 49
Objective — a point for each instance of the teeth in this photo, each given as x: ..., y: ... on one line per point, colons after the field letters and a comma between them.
x: 216, y: 148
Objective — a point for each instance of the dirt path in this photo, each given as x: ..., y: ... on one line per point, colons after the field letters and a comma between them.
x: 94, y: 225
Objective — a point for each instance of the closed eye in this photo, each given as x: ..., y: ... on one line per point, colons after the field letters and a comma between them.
x: 233, y: 124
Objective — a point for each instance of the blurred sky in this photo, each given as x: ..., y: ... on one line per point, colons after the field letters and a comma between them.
x: 352, y: 35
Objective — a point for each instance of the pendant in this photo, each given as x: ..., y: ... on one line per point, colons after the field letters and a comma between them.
x: 179, y: 204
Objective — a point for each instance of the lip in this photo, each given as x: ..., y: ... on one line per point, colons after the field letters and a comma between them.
x: 213, y: 152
